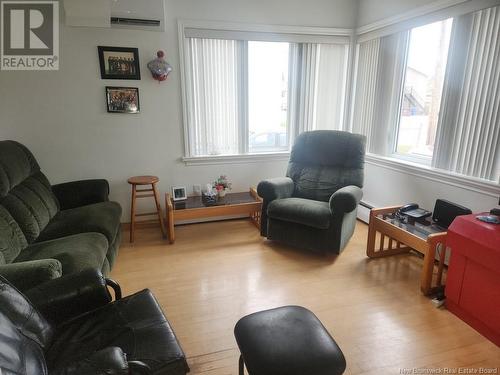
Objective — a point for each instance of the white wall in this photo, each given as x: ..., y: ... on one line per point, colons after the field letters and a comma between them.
x: 375, y: 10
x: 387, y: 187
x: 61, y: 116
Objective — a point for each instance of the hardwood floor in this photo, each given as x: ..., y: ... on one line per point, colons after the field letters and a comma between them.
x: 217, y: 272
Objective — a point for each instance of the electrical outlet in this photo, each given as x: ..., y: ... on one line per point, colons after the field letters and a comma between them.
x: 197, y: 190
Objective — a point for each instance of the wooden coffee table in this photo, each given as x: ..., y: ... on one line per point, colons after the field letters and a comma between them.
x: 248, y: 203
x: 388, y: 236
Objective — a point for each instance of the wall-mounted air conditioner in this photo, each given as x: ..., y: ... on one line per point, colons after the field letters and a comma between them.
x: 129, y: 14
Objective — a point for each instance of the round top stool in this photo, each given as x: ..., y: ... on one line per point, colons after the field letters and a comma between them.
x: 143, y: 180
x: 144, y: 193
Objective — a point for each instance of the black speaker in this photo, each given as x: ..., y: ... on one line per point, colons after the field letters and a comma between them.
x: 445, y: 212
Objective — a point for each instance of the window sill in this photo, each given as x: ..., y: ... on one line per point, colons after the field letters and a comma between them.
x: 237, y: 159
x: 465, y: 182
x: 413, y: 159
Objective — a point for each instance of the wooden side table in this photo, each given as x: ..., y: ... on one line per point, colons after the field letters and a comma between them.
x: 248, y: 203
x: 148, y: 192
x: 402, y: 238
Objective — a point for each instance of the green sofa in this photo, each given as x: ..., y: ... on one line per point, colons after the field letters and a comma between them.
x: 48, y: 231
x: 315, y: 206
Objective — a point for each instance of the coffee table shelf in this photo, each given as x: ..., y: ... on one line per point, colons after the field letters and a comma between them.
x: 246, y: 203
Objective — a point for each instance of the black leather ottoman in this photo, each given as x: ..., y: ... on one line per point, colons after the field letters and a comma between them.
x: 288, y: 340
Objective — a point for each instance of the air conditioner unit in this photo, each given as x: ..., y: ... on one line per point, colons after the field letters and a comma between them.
x: 130, y: 14
x: 134, y: 14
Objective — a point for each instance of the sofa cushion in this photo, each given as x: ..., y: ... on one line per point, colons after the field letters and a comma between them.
x: 32, y: 204
x: 308, y: 212
x: 24, y: 191
x: 101, y: 217
x: 12, y: 239
x: 17, y: 163
x: 77, y: 252
x: 136, y: 324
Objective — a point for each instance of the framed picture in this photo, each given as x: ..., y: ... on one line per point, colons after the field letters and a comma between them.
x: 122, y: 99
x: 179, y: 193
x: 119, y: 63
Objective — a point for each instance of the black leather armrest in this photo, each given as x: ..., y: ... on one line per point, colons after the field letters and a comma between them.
x: 139, y: 368
x: 71, y: 295
x: 81, y: 193
x: 108, y: 361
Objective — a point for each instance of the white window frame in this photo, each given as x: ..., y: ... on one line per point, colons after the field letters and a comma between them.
x: 426, y: 161
x: 276, y: 33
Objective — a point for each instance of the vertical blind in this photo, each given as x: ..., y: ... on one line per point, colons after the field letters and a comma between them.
x: 318, y: 95
x: 468, y: 138
x: 213, y: 94
x: 330, y: 83
x: 217, y: 97
x: 363, y: 107
x: 377, y: 90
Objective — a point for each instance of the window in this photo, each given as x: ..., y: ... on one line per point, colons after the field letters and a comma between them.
x: 430, y: 95
x: 253, y: 92
x: 422, y: 89
x: 268, y: 96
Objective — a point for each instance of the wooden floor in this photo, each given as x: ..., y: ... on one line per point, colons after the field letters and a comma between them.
x: 218, y: 272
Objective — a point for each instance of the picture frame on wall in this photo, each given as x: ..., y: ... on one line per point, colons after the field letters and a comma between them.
x: 119, y: 63
x: 122, y: 99
x: 179, y: 193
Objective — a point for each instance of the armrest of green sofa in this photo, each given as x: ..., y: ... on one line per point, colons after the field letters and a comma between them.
x: 81, y: 193
x: 276, y: 188
x: 345, y: 199
x: 269, y: 190
x: 27, y: 275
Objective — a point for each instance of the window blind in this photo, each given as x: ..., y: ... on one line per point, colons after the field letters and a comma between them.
x: 318, y: 95
x: 363, y: 107
x: 468, y: 138
x: 266, y: 35
x: 377, y: 91
x: 213, y: 94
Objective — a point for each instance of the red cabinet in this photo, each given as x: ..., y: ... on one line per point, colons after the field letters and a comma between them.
x: 473, y: 282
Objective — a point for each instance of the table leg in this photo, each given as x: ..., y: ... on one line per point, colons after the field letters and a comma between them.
x: 370, y: 245
x: 170, y: 219
x: 429, y: 257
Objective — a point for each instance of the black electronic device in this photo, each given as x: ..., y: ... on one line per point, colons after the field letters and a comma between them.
x: 445, y: 212
x: 413, y: 212
x: 490, y: 219
x: 495, y: 211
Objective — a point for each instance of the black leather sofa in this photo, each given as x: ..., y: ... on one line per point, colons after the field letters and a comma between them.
x: 69, y: 326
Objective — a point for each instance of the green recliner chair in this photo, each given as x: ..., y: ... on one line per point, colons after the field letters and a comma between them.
x: 315, y: 206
